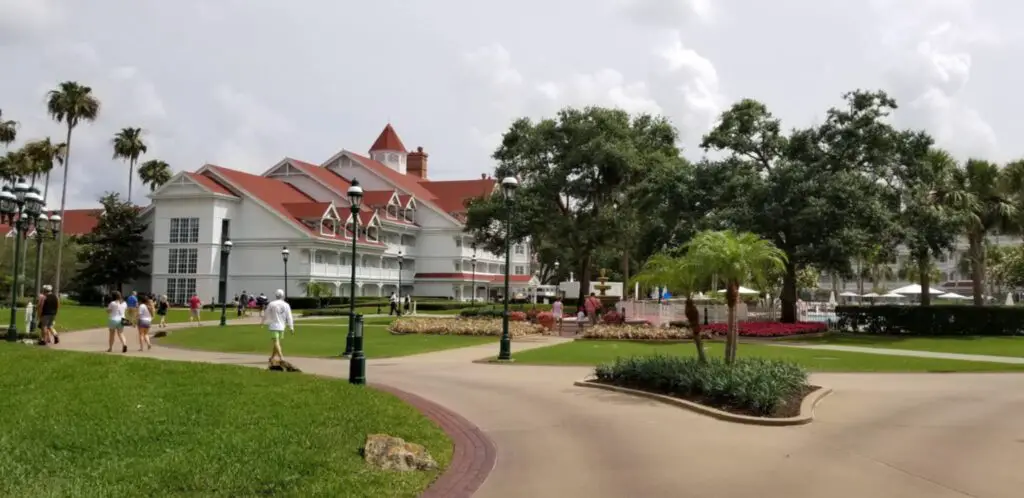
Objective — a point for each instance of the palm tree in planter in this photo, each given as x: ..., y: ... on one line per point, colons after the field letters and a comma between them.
x: 154, y: 173
x: 736, y: 258
x: 70, y: 103
x: 128, y: 145
x: 682, y: 276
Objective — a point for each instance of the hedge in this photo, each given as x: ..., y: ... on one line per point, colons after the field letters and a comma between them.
x: 935, y: 320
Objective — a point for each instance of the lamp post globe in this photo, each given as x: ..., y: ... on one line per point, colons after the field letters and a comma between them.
x: 225, y: 251
x: 284, y: 257
x: 508, y: 189
x: 355, y: 200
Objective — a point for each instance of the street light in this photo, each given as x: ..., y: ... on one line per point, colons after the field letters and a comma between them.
x: 473, y: 264
x: 19, y: 208
x: 225, y: 251
x: 284, y: 256
x: 46, y: 227
x: 508, y: 188
x: 400, y: 261
x: 355, y: 199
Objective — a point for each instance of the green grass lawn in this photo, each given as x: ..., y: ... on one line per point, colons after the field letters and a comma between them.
x: 596, y: 352
x: 317, y: 338
x: 993, y: 346
x: 90, y: 317
x: 82, y: 424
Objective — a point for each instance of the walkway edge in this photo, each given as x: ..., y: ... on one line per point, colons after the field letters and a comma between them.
x: 806, y: 406
x: 474, y: 454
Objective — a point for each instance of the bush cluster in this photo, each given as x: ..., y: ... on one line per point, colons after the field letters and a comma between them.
x: 935, y: 320
x: 755, y: 385
x: 636, y: 333
x: 462, y: 326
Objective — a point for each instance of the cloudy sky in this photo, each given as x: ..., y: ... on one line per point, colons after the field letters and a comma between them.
x: 242, y: 83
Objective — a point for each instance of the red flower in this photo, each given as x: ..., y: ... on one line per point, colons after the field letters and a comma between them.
x: 769, y: 329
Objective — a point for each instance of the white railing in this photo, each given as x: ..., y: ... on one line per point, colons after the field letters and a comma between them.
x: 362, y: 272
x: 671, y: 311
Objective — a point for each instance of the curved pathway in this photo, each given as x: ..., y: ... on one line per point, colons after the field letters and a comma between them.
x: 905, y: 435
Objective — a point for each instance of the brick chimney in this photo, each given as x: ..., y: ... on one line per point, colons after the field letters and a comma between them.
x: 416, y: 163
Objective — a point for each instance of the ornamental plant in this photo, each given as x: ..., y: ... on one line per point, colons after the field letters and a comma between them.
x: 546, y: 319
x: 613, y: 318
x: 636, y: 333
x: 462, y: 326
x: 770, y: 329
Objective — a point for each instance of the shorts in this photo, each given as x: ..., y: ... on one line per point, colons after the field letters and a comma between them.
x: 161, y: 313
x: 275, y: 335
x: 46, y: 321
x: 114, y: 323
x: 145, y: 323
x: 194, y: 311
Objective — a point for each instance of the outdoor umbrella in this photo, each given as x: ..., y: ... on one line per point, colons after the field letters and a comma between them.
x: 915, y: 289
x: 744, y: 290
x: 849, y: 294
x: 952, y: 295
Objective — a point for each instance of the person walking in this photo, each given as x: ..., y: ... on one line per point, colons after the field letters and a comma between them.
x: 277, y: 318
x: 132, y: 302
x: 243, y: 303
x: 145, y: 322
x: 161, y: 311
x: 393, y: 300
x: 46, y: 315
x: 195, y: 305
x: 115, y: 322
x: 591, y: 304
x: 556, y: 312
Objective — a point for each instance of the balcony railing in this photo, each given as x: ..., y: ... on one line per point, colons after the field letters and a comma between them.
x: 362, y: 272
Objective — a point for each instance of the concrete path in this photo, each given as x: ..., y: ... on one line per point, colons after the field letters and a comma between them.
x: 903, y: 352
x: 900, y: 435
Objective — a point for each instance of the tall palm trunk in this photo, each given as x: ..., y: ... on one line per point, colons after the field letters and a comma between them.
x: 693, y: 316
x: 63, y: 206
x: 131, y: 175
x: 860, y: 276
x: 732, y: 293
x: 39, y: 247
x: 976, y: 248
x: 789, y: 294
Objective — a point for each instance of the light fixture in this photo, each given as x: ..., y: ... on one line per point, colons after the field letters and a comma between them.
x: 508, y: 186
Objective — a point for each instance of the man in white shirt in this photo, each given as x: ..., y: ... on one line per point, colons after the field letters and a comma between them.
x: 276, y: 318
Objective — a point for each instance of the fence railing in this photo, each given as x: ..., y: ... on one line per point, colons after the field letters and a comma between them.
x: 671, y: 311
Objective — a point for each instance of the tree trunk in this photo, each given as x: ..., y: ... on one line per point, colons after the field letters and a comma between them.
x: 693, y: 317
x: 625, y: 273
x: 63, y: 205
x: 789, y: 296
x: 860, y: 277
x: 923, y: 264
x: 584, y: 280
x: 131, y: 174
x: 976, y: 249
x: 732, y: 292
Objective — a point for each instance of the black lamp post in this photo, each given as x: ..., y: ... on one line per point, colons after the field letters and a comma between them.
x: 400, y: 261
x: 225, y: 251
x: 472, y: 262
x: 355, y: 199
x: 46, y: 227
x: 558, y: 290
x: 19, y: 208
x: 284, y: 257
x: 508, y: 188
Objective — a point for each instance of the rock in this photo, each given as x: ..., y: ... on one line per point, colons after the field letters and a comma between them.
x: 391, y: 453
x: 283, y: 366
x: 160, y: 333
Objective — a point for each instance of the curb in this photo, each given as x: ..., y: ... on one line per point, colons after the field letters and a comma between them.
x: 805, y: 417
x: 474, y: 455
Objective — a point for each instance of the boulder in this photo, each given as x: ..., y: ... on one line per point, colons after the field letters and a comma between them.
x: 160, y: 333
x: 283, y: 366
x: 392, y: 453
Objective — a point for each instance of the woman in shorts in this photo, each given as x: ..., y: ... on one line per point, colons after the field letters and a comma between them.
x: 115, y: 322
x: 161, y: 310
x: 145, y: 321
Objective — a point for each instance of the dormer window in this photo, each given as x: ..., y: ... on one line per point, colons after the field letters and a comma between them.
x: 410, y: 211
x: 328, y: 226
x: 392, y: 211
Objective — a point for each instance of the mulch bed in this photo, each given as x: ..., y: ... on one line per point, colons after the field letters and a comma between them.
x: 788, y: 408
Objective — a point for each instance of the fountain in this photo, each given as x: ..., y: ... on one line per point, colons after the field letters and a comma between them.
x: 603, y: 286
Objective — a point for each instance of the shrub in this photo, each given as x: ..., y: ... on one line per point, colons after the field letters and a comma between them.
x: 613, y: 318
x: 951, y: 319
x: 326, y: 312
x: 461, y: 326
x: 768, y: 329
x: 636, y: 333
x: 546, y: 319
x: 481, y: 312
x: 755, y: 385
x: 516, y: 316
x: 531, y: 314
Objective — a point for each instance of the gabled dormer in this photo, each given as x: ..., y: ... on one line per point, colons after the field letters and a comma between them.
x: 389, y: 150
x: 369, y: 225
x: 409, y: 209
x: 322, y: 217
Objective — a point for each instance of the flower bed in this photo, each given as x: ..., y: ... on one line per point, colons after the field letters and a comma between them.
x: 462, y: 326
x: 636, y: 333
x: 769, y: 329
x: 752, y: 386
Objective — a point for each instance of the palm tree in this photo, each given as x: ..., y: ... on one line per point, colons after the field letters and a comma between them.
x: 70, y: 103
x: 682, y: 276
x: 736, y: 258
x: 319, y: 290
x: 154, y: 173
x: 8, y: 130
x: 988, y: 208
x: 128, y: 145
x: 911, y: 272
x: 45, y: 155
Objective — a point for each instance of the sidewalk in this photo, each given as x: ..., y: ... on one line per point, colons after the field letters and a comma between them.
x: 903, y: 352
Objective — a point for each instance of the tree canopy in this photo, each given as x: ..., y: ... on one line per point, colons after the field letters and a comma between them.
x: 115, y: 252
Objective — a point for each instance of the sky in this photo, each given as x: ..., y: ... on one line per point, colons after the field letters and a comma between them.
x: 244, y: 83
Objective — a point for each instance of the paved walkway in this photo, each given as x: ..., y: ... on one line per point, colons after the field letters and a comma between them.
x: 903, y: 352
x: 898, y: 435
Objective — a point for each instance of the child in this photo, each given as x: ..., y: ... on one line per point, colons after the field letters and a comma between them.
x: 581, y: 321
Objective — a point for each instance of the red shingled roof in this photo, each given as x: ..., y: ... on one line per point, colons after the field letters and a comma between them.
x: 333, y: 180
x: 388, y: 140
x: 404, y: 183
x: 453, y: 195
x: 376, y: 198
x: 307, y: 210
x: 77, y: 222
x: 210, y: 183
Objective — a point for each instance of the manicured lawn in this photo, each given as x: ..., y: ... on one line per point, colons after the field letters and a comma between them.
x: 82, y: 424
x: 596, y: 352
x: 91, y: 317
x: 316, y: 338
x: 993, y: 346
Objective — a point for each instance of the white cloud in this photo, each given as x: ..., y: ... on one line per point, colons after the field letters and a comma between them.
x: 254, y: 141
x: 27, y: 20
x: 667, y: 13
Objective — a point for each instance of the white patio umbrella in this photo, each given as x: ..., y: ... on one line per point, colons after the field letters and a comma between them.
x: 915, y: 289
x: 832, y: 298
x: 871, y: 294
x: 894, y: 295
x: 1009, y: 299
x: 744, y: 290
x: 849, y: 294
x: 952, y: 295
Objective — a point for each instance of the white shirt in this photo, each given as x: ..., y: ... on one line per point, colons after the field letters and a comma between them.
x: 144, y: 313
x: 278, y: 314
x: 116, y: 310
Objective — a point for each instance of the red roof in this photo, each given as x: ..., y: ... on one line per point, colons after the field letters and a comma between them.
x: 453, y: 195
x: 333, y: 180
x: 469, y: 276
x: 210, y: 183
x: 374, y: 198
x: 77, y: 222
x: 404, y: 183
x: 307, y: 210
x: 388, y: 140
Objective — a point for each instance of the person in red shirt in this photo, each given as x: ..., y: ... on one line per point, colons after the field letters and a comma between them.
x: 194, y: 307
x: 592, y: 305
